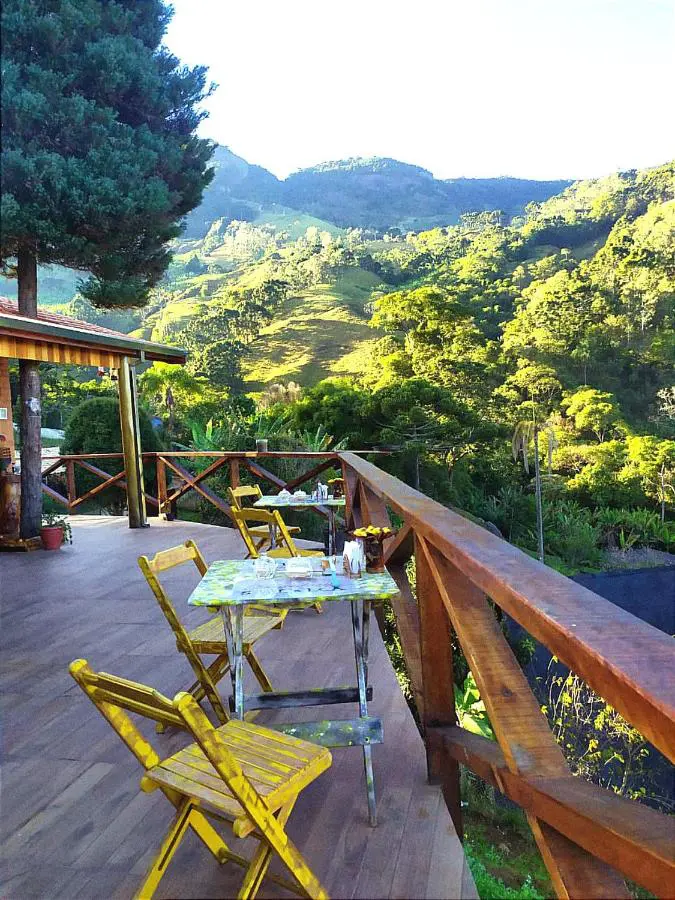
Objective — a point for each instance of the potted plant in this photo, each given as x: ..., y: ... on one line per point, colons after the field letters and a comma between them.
x: 337, y: 487
x: 55, y: 530
x: 373, y: 538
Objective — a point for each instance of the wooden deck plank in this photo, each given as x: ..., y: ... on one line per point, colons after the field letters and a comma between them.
x: 71, y: 788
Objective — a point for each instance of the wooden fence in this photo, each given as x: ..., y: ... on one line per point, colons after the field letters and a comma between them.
x: 174, y: 481
x: 587, y: 835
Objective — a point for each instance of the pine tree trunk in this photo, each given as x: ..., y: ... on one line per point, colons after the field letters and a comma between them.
x: 31, y: 406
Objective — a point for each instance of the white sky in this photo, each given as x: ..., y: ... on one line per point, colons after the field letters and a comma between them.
x: 531, y: 88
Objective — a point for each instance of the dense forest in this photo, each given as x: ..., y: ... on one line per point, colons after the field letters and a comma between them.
x: 458, y: 346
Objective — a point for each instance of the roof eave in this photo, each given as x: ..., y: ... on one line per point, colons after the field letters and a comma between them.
x: 121, y: 344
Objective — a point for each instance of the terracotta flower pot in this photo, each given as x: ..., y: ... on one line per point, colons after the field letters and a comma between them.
x: 52, y: 537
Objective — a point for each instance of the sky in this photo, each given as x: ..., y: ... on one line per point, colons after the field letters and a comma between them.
x: 529, y: 88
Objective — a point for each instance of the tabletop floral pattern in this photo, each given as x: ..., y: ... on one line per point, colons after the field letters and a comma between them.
x: 231, y: 582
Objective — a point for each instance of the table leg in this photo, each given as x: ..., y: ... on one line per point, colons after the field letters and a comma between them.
x: 366, y: 635
x: 331, y: 531
x: 359, y: 619
x: 233, y: 622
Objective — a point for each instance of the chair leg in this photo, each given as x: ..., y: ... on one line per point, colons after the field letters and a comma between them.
x: 207, y: 677
x: 303, y: 875
x: 257, y: 668
x: 262, y: 859
x: 169, y: 846
x: 208, y: 834
x: 216, y: 670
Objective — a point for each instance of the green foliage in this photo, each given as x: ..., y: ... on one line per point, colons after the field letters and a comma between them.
x: 592, y: 410
x: 99, y: 155
x: 598, y: 742
x: 94, y: 427
x: 626, y: 528
x: 471, y: 713
x: 489, y: 886
x: 571, y: 534
x: 62, y: 392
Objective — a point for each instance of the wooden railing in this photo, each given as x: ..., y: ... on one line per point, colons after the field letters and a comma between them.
x: 585, y: 833
x: 174, y: 481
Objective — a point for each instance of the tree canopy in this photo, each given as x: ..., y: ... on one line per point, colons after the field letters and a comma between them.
x: 100, y: 160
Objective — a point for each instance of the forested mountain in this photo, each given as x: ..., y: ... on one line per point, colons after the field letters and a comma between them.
x: 445, y: 343
x: 384, y: 193
x: 364, y: 193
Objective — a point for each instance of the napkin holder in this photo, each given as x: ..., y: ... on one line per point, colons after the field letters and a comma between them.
x: 353, y: 559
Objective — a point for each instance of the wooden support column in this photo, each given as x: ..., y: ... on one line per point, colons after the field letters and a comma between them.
x: 131, y: 444
x: 437, y: 681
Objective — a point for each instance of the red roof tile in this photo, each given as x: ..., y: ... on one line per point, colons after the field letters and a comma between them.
x: 11, y: 308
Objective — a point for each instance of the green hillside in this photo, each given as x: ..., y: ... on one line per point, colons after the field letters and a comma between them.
x: 317, y: 334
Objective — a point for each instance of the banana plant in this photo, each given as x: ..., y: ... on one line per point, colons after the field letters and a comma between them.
x: 470, y: 709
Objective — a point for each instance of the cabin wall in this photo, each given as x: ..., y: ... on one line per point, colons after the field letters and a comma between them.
x: 6, y: 429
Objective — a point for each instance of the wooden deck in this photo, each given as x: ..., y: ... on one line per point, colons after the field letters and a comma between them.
x: 73, y: 822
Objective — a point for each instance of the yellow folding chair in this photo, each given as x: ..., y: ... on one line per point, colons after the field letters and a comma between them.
x: 260, y: 533
x: 208, y: 638
x: 239, y: 774
x: 272, y: 519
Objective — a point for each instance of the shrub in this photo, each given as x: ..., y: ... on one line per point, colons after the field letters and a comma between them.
x: 94, y: 427
x: 569, y: 533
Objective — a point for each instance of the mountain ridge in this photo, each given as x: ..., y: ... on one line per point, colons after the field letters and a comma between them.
x: 362, y: 192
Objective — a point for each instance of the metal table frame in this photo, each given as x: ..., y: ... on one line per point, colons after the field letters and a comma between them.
x: 364, y: 731
x: 217, y: 590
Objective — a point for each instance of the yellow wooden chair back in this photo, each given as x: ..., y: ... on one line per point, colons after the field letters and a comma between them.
x: 169, y: 559
x: 242, y: 518
x: 244, y: 491
x: 112, y: 696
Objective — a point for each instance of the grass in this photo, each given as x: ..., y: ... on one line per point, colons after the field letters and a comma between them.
x: 319, y: 333
x: 499, y: 846
x: 295, y: 223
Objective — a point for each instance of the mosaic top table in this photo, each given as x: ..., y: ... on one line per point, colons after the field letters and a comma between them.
x: 329, y: 505
x: 231, y: 585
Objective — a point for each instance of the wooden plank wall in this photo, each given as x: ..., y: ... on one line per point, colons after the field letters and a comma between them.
x: 6, y: 430
x: 45, y: 351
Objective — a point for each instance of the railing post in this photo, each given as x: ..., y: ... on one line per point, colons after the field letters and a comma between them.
x: 163, y: 511
x: 234, y: 473
x: 437, y: 682
x: 353, y: 518
x: 70, y: 481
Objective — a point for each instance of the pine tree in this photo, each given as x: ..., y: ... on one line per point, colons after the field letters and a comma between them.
x: 100, y: 161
